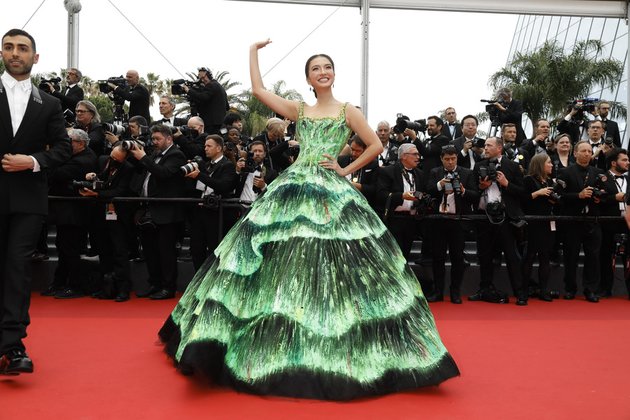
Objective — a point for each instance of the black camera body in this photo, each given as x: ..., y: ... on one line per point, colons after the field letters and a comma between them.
x: 177, y: 86
x: 599, y: 186
x: 294, y: 151
x: 454, y: 180
x: 426, y: 204
x: 131, y: 144
x: 95, y: 185
x: 489, y: 172
x: 195, y: 163
x: 211, y: 201
x: 582, y: 105
x: 403, y: 123
x: 104, y: 87
x: 250, y: 163
x: 43, y: 84
x: 492, y: 110
x: 556, y: 191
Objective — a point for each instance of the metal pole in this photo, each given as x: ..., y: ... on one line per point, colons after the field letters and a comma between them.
x: 365, y: 28
x: 625, y: 142
x: 73, y: 7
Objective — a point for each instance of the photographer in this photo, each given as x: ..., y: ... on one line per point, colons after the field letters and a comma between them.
x: 600, y: 147
x: 454, y: 188
x: 431, y: 148
x: 159, y: 175
x: 538, y: 144
x: 516, y: 154
x: 71, y: 94
x: 364, y: 179
x: 501, y: 187
x: 191, y: 137
x: 89, y: 120
x: 215, y: 179
x: 582, y: 196
x: 613, y: 242
x: 611, y: 128
x: 575, y: 122
x: 114, y: 221
x: 399, y: 188
x: 389, y: 155
x: 451, y: 128
x: 510, y: 110
x: 468, y: 145
x: 167, y: 109
x: 210, y: 100
x: 135, y: 130
x: 254, y: 176
x: 282, y: 153
x: 137, y: 95
x: 71, y: 218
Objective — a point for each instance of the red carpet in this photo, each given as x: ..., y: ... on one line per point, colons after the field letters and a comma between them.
x: 561, y: 360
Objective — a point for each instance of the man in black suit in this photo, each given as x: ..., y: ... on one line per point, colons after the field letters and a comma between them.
x: 72, y: 93
x: 468, y: 145
x: 396, y: 185
x: 137, y: 95
x: 455, y: 190
x: 191, y: 139
x: 254, y: 176
x: 431, y: 147
x: 501, y: 190
x: 209, y: 99
x: 595, y: 132
x: 32, y: 140
x: 581, y: 197
x: 71, y: 217
x: 611, y: 127
x: 389, y: 155
x: 160, y: 176
x: 167, y: 111
x: 451, y: 128
x: 219, y: 180
x: 511, y: 151
x: 616, y: 185
x: 510, y: 110
x: 364, y: 179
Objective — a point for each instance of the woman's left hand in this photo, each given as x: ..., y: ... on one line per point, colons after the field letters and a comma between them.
x: 331, y: 163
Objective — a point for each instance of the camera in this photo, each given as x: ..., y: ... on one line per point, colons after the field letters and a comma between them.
x: 177, y: 86
x: 403, y: 123
x: 490, y: 171
x: 211, y: 201
x: 599, y: 185
x: 250, y: 163
x: 453, y: 179
x: 43, y: 84
x: 68, y: 117
x: 581, y: 105
x: 131, y: 144
x: 557, y: 189
x: 193, y: 165
x: 95, y: 185
x: 608, y: 141
x: 293, y: 150
x: 493, y: 111
x: 621, y: 243
x: 425, y: 204
x: 186, y: 131
x: 104, y: 87
x: 116, y: 129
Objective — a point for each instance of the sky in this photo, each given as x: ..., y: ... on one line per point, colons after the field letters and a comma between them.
x: 419, y: 62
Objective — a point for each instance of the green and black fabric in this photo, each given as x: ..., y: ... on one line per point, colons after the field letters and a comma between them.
x: 309, y: 295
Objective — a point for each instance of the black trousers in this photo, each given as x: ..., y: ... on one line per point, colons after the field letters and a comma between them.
x: 540, y: 241
x: 114, y: 252
x: 502, y: 234
x: 18, y: 239
x: 607, y: 255
x: 404, y: 228
x: 160, y: 255
x: 448, y: 234
x: 588, y: 236
x: 206, y: 233
x: 69, y: 242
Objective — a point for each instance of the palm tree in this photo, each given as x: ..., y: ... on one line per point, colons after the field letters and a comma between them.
x: 546, y: 79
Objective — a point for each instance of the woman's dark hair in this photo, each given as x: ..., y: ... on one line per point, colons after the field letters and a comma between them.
x: 311, y: 58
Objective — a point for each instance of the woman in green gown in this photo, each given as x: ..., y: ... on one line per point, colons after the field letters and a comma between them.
x: 308, y: 295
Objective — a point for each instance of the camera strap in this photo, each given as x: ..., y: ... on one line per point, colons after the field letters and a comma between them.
x: 409, y: 179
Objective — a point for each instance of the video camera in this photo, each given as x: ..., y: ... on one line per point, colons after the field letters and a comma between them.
x: 43, y: 84
x: 489, y: 172
x: 104, y: 87
x: 582, y: 105
x: 94, y: 185
x: 493, y: 111
x: 177, y: 86
x: 403, y: 123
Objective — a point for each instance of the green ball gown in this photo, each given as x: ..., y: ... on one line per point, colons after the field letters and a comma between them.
x: 309, y: 295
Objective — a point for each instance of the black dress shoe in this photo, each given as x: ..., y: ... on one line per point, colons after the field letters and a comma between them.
x: 152, y: 290
x: 68, y: 294
x: 162, y: 294
x: 476, y: 297
x: 122, y: 297
x: 569, y: 295
x: 521, y: 301
x: 604, y: 294
x: 51, y: 291
x: 15, y: 362
x: 590, y: 296
x: 435, y: 297
x: 456, y: 298
x: 546, y: 296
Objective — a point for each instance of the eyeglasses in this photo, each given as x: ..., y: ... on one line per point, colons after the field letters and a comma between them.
x: 450, y: 113
x: 412, y: 154
x: 81, y: 111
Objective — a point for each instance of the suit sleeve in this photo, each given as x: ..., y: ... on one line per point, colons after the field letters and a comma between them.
x: 169, y: 168
x: 223, y: 182
x: 59, y: 149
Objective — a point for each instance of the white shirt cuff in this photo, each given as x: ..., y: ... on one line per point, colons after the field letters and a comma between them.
x: 36, y: 167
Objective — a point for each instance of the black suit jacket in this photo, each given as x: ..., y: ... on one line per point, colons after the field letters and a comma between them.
x: 139, y: 100
x: 366, y: 176
x: 116, y: 183
x: 70, y: 99
x: 514, y: 114
x: 612, y: 131
x: 447, y: 131
x: 221, y: 177
x: 465, y: 203
x: 511, y: 196
x: 390, y: 185
x: 609, y: 205
x: 42, y: 135
x: 166, y: 181
x: 462, y: 160
x: 270, y: 175
x: 212, y: 103
x: 577, y: 178
x: 431, y: 149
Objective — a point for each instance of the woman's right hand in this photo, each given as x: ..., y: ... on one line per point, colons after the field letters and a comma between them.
x: 543, y: 192
x: 261, y: 44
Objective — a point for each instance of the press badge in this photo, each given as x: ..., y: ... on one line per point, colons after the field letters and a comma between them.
x: 110, y: 213
x: 552, y: 225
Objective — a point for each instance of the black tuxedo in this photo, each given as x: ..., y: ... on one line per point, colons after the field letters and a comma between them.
x: 69, y: 97
x: 577, y: 234
x: 223, y: 179
x: 456, y: 133
x: 139, y: 100
x: 504, y: 234
x: 23, y: 203
x: 159, y: 240
x: 431, y: 149
x: 177, y: 122
x: 465, y: 160
x: 366, y: 176
x: 450, y: 233
x: 389, y: 190
x: 391, y: 156
x: 612, y: 130
x: 212, y: 105
x: 514, y: 114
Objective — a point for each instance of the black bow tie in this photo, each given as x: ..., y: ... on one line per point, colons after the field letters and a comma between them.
x: 452, y: 124
x: 620, y: 176
x: 166, y: 120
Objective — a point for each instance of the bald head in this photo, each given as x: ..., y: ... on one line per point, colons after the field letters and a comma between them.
x: 132, y: 77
